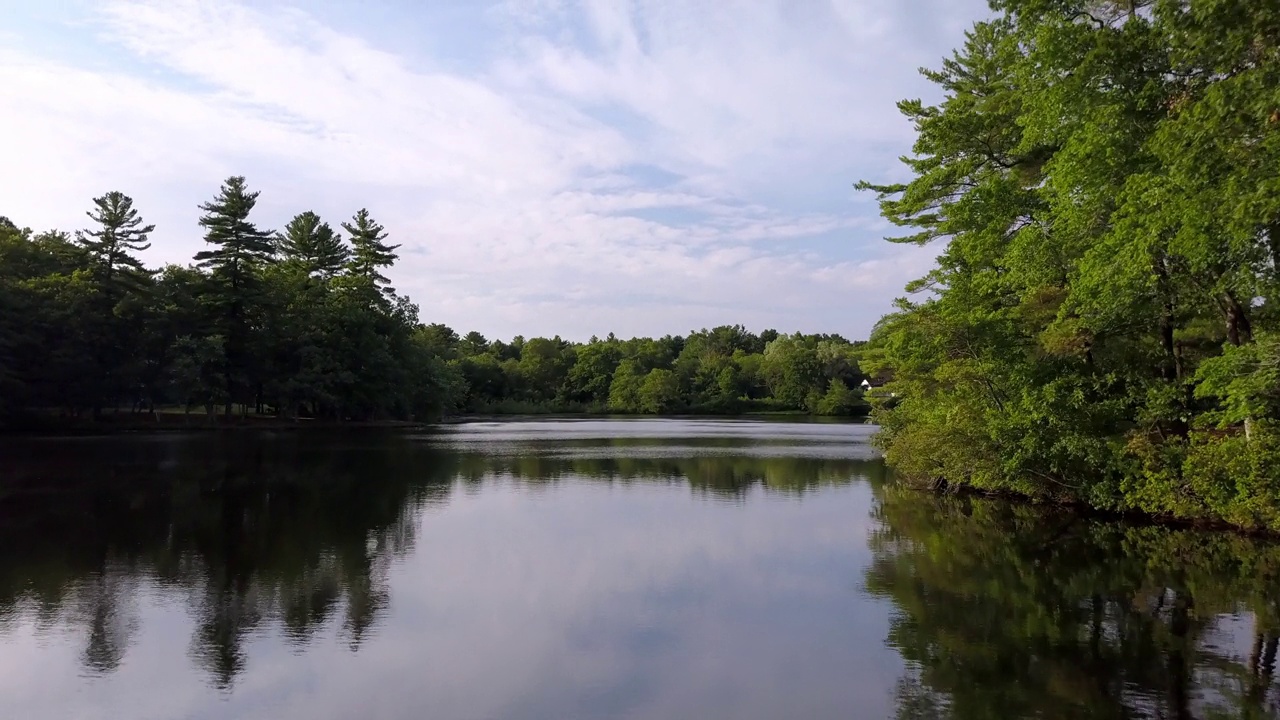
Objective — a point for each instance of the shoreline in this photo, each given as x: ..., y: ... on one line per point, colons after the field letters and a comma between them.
x: 1084, y: 511
x: 174, y: 424
x: 142, y: 423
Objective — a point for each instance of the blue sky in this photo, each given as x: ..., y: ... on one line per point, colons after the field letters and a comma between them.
x: 550, y: 166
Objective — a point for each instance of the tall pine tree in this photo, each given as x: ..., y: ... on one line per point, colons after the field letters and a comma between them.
x: 239, y: 246
x: 112, y: 324
x: 369, y: 253
x: 239, y: 250
x: 119, y: 232
x: 311, y: 244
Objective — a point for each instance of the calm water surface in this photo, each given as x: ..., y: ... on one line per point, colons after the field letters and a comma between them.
x: 595, y: 569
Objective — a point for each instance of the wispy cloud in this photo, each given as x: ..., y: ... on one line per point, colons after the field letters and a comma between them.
x: 640, y: 167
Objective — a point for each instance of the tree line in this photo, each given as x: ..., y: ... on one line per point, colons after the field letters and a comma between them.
x: 724, y: 370
x: 1102, y: 322
x: 303, y: 323
x: 296, y: 323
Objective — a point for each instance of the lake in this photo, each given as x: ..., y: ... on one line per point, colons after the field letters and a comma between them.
x: 645, y: 569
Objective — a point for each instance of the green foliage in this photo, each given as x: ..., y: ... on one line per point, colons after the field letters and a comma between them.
x: 239, y: 247
x: 591, y: 376
x: 543, y: 368
x: 120, y: 232
x: 624, y: 391
x: 370, y: 255
x: 298, y: 325
x: 660, y: 391
x: 473, y: 344
x: 1106, y: 295
x: 313, y: 246
x: 1245, y: 381
x: 840, y: 399
x: 284, y: 329
x: 792, y: 370
x: 710, y: 371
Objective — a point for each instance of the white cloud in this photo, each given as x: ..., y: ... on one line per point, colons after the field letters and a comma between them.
x: 509, y: 186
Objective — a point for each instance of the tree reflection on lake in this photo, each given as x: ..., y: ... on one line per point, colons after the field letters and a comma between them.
x: 290, y: 531
x: 1007, y: 610
x: 641, y: 570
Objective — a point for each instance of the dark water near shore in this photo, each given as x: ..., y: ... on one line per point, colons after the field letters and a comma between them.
x: 595, y: 569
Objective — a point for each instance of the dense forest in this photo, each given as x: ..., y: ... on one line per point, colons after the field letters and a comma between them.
x: 302, y: 323
x: 291, y: 323
x: 1102, y: 326
x: 723, y: 370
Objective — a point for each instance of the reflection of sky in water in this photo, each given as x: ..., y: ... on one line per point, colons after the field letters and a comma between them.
x: 564, y: 430
x: 575, y: 600
x: 671, y: 569
x: 566, y: 451
x: 658, y: 439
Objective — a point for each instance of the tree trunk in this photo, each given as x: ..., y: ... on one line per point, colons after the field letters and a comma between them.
x: 1171, y: 369
x: 1239, y: 332
x: 1273, y: 239
x: 1239, y: 329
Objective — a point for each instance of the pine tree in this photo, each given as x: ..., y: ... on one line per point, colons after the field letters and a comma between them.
x: 240, y: 249
x: 120, y: 232
x: 239, y: 246
x: 369, y: 253
x: 313, y: 245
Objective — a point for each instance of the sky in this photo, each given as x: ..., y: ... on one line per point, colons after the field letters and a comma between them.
x: 549, y: 167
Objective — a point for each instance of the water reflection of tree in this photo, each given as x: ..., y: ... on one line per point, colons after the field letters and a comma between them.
x: 1008, y: 611
x: 299, y: 535
x: 106, y: 606
x: 291, y: 535
x: 726, y: 475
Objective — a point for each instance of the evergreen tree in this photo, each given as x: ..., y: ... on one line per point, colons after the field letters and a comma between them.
x: 473, y: 344
x: 239, y: 246
x: 239, y: 249
x: 120, y: 232
x: 233, y: 328
x: 112, y: 324
x: 313, y: 245
x: 369, y: 253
